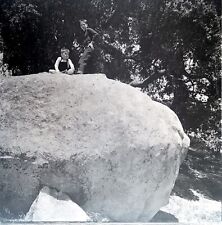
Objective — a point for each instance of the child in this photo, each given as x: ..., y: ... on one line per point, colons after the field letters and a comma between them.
x: 90, y: 36
x: 63, y: 64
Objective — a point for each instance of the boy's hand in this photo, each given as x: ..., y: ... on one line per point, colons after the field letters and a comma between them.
x: 76, y: 45
x: 91, y: 45
x: 64, y: 71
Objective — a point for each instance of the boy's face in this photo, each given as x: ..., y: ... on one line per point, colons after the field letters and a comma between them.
x: 64, y: 55
x: 83, y: 25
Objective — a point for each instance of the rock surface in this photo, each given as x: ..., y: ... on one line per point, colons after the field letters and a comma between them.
x: 107, y: 145
x: 51, y: 205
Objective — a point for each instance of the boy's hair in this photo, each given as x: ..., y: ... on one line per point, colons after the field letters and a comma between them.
x: 65, y: 50
x: 83, y: 21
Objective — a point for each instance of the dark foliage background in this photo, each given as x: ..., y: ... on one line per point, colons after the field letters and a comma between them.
x: 172, y: 45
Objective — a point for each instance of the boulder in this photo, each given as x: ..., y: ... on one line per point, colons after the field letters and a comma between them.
x: 51, y: 205
x: 105, y: 144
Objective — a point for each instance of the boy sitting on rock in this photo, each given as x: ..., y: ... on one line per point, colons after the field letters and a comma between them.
x: 63, y: 63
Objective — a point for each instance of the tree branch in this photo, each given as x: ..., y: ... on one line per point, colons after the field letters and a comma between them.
x: 148, y: 80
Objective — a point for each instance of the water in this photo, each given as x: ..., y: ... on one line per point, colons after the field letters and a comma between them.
x: 48, y: 208
x: 197, y: 194
x: 194, y: 211
x: 201, y: 171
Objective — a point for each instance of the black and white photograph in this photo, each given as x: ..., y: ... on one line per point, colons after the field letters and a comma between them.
x: 110, y: 112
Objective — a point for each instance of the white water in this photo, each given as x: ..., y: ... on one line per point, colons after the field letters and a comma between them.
x: 49, y: 208
x: 188, y: 211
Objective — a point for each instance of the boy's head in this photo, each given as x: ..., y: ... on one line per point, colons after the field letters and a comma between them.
x: 83, y: 24
x: 65, y: 53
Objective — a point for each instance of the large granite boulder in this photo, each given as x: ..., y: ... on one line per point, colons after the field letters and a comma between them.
x: 107, y: 145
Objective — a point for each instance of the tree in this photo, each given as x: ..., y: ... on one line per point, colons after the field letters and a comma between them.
x: 20, y: 35
x: 182, y: 49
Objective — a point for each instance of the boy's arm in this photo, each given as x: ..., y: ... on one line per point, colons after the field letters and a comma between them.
x: 94, y: 35
x: 72, y: 68
x: 57, y: 64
